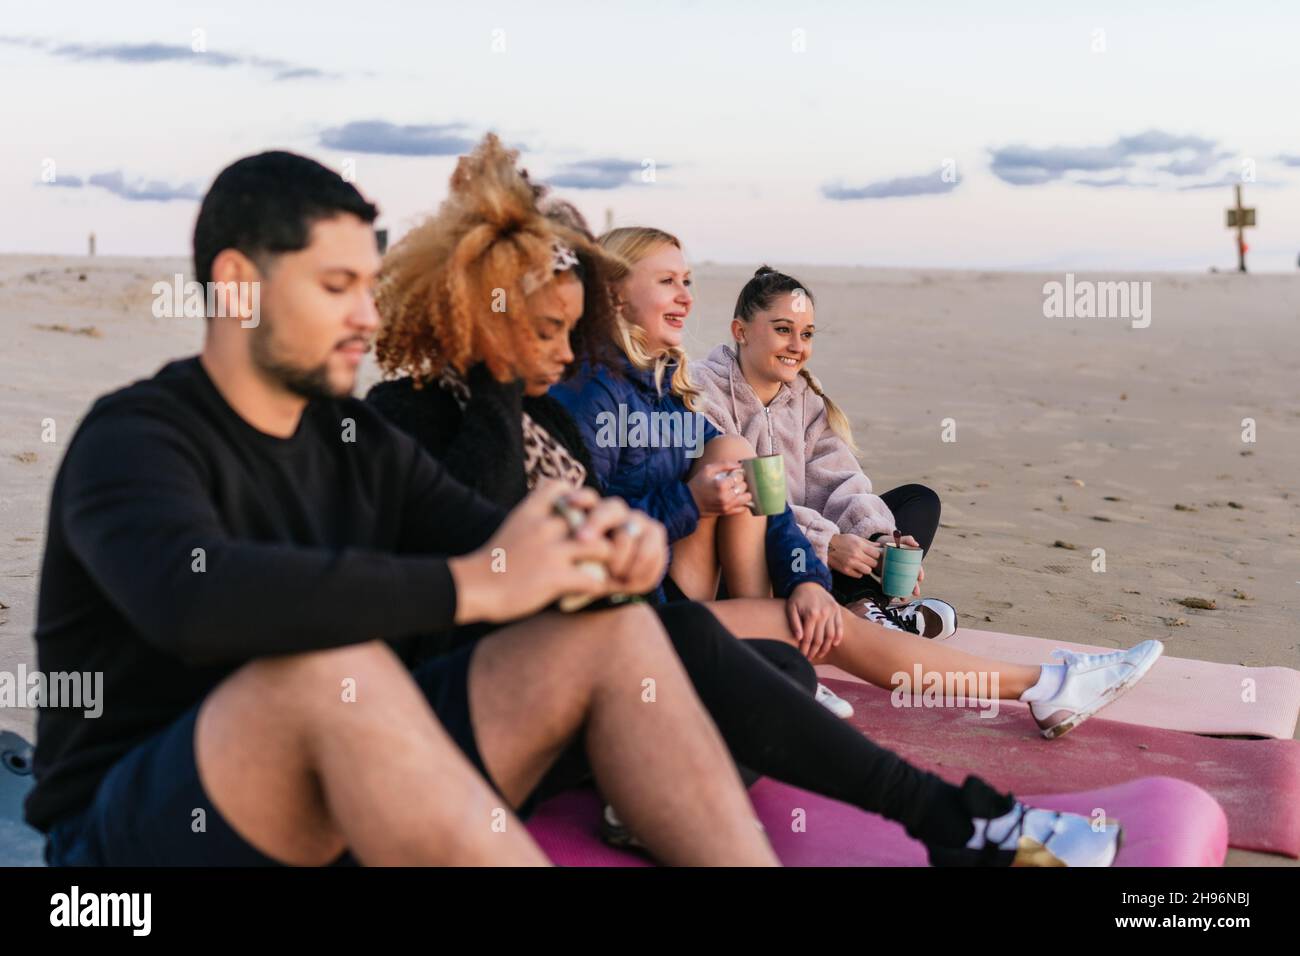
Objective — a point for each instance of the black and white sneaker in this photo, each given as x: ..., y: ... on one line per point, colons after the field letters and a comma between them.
x: 927, y: 617
x: 1008, y: 833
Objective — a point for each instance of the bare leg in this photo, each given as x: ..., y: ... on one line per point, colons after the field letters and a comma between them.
x: 695, y: 567
x: 875, y: 653
x: 302, y: 772
x: 655, y: 753
x: 742, y: 552
x: 733, y: 544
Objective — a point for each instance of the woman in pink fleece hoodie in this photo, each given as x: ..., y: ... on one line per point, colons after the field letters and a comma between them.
x: 762, y: 389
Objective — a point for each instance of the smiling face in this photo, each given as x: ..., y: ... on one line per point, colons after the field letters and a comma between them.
x: 318, y: 317
x: 656, y: 295
x: 554, y: 310
x: 778, y: 341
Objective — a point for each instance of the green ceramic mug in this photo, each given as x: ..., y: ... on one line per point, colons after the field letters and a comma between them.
x: 900, y: 566
x: 765, y: 477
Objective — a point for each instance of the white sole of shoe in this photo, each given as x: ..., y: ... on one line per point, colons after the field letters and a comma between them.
x: 1104, y: 699
x: 843, y: 713
x: 837, y: 705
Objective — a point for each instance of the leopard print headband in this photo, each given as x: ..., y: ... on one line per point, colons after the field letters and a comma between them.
x: 562, y: 260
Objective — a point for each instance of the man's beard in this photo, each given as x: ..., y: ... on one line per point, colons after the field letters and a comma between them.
x: 309, y: 383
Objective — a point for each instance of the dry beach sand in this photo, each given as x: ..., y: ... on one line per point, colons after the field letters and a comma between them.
x: 1087, y: 432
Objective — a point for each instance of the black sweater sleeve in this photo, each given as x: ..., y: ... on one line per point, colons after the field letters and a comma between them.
x: 138, y: 514
x: 482, y: 447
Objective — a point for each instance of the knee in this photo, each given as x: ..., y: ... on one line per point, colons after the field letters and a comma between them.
x: 921, y: 494
x: 372, y: 663
x: 787, y: 659
x: 729, y: 448
x: 635, y: 633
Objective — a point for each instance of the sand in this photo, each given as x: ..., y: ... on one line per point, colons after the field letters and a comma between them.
x: 1088, y: 432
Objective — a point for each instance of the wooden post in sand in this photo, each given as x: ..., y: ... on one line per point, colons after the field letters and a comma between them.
x: 92, y: 243
x: 1239, y: 218
x: 609, y: 219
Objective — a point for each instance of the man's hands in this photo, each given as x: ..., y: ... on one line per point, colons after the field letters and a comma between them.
x: 720, y: 489
x: 814, y: 618
x: 638, y: 552
x: 532, y: 559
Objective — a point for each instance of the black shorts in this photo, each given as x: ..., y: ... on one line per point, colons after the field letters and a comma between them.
x: 151, y: 810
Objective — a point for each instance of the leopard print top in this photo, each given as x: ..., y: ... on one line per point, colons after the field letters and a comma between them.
x: 544, y: 457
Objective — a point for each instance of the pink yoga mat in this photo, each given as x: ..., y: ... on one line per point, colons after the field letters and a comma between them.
x: 1198, y: 697
x: 1167, y: 822
x: 1256, y: 781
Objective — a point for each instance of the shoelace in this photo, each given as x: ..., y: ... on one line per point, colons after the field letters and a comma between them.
x: 897, y: 617
x: 888, y: 615
x: 1017, y: 825
x: 1016, y: 829
x: 1079, y: 659
x: 908, y: 615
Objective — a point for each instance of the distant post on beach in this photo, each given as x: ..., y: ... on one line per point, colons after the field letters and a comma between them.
x: 381, y: 238
x: 609, y: 218
x: 92, y: 243
x: 1239, y: 218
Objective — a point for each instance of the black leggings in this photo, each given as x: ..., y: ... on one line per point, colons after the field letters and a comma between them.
x: 916, y: 512
x: 774, y: 726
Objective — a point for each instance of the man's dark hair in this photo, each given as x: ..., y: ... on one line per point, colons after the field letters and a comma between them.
x: 266, y: 204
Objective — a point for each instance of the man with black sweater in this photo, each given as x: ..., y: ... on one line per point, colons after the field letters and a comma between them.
x: 250, y: 556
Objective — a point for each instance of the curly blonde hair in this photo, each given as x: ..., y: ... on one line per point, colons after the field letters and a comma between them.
x: 454, y: 291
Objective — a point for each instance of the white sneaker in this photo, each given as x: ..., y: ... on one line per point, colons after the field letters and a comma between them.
x: 836, y: 704
x: 1049, y: 838
x: 1091, y: 682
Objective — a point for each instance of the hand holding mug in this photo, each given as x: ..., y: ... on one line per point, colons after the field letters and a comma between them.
x: 719, y: 489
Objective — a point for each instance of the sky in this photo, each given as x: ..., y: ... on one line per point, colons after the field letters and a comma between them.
x: 1003, y: 135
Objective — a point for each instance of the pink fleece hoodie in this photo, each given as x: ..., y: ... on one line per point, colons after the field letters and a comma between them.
x: 828, y: 490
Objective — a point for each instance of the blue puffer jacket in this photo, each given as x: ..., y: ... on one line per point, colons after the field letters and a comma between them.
x: 638, y: 459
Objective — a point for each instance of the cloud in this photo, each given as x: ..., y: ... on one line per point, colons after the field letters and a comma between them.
x: 1025, y: 175
x: 302, y: 73
x: 1022, y: 165
x: 598, y: 174
x: 1227, y: 179
x: 377, y: 136
x: 137, y: 54
x: 1155, y: 141
x: 152, y: 190
x: 1184, y: 155
x: 926, y: 185
x: 1111, y: 182
x: 1197, y: 164
x: 142, y: 53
